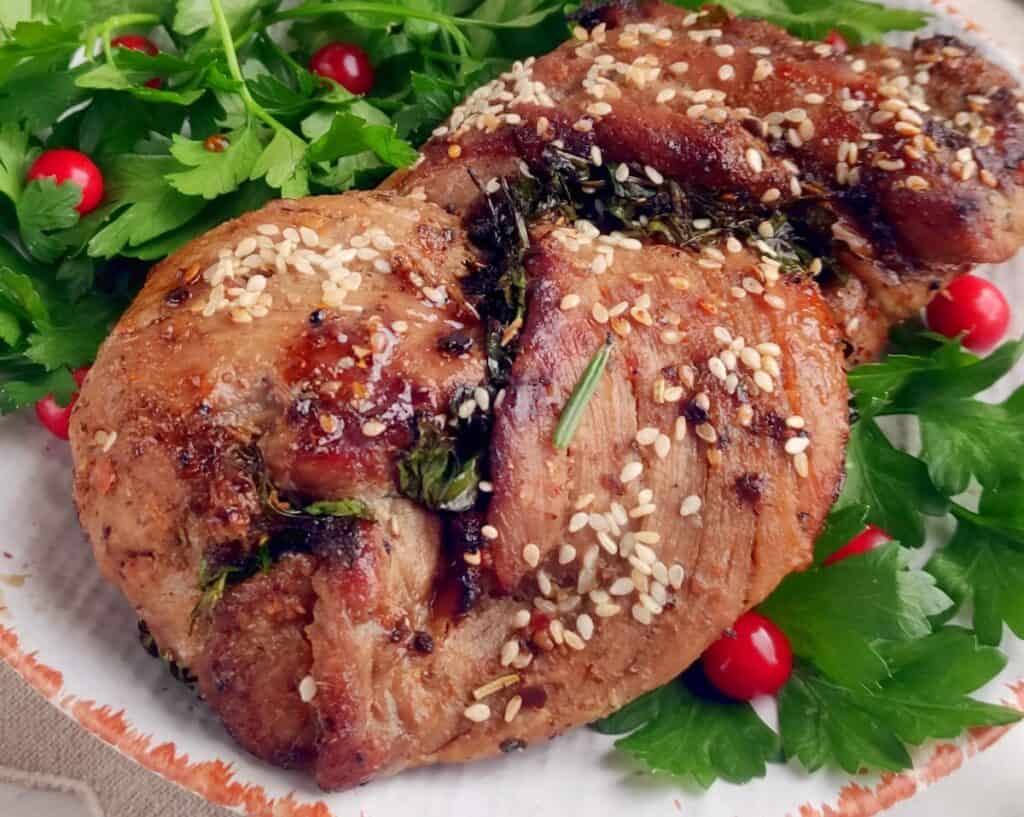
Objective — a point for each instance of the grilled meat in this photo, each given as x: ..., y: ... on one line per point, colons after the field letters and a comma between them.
x: 317, y: 454
x: 902, y: 166
x: 212, y: 418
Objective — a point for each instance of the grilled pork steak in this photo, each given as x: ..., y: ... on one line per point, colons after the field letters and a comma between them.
x: 903, y: 166
x: 317, y: 454
x: 358, y: 644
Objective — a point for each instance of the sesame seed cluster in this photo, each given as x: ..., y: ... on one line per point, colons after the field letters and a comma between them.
x: 239, y: 277
x: 888, y: 117
x: 619, y: 569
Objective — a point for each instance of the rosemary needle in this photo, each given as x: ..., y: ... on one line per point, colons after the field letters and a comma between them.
x: 581, y: 394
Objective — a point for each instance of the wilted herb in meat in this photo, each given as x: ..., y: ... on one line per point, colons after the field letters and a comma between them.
x: 179, y: 672
x: 434, y: 474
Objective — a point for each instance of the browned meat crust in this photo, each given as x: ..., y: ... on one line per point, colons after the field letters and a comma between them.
x: 914, y: 158
x: 295, y: 354
x: 348, y: 657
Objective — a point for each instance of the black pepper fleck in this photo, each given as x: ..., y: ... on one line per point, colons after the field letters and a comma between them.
x: 423, y: 642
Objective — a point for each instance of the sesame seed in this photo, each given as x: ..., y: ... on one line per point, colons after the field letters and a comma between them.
x: 631, y: 471
x: 373, y: 428
x: 622, y: 586
x: 750, y: 357
x: 651, y: 604
x: 641, y: 614
x: 573, y: 641
x: 622, y: 172
x: 268, y: 229
x: 596, y: 156
x: 679, y: 428
x: 726, y: 72
x: 764, y: 381
x: 653, y: 175
x: 801, y: 464
x: 917, y: 183
x: 512, y: 708
x: 646, y: 436
x: 307, y: 689
x: 509, y: 652
x: 585, y: 626
x: 597, y: 521
x: 520, y: 619
x: 566, y: 554
x: 478, y: 713
x: 607, y: 610
x: 665, y: 95
x: 489, y: 532
x: 570, y: 301
x: 531, y: 554
x: 662, y: 445
x: 599, y: 312
x: 690, y: 505
x: 578, y: 522
x: 797, y: 445
x: 754, y: 160
x: 679, y: 68
x: 774, y: 301
x: 607, y: 542
x: 557, y: 631
x: 707, y: 432
x: 763, y: 70
x: 676, y: 574
x: 771, y: 194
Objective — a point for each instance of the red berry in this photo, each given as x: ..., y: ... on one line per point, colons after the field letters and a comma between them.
x: 837, y: 41
x: 754, y: 658
x: 973, y: 307
x: 136, y: 42
x: 346, y: 64
x: 56, y: 419
x: 868, y: 539
x: 65, y: 165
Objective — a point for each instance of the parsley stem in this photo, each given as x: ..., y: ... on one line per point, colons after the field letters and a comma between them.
x: 231, y: 55
x: 103, y: 30
x: 584, y: 389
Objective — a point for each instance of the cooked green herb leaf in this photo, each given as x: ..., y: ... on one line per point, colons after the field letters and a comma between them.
x: 675, y: 732
x: 340, y: 507
x: 433, y: 474
x: 572, y: 413
x: 836, y: 615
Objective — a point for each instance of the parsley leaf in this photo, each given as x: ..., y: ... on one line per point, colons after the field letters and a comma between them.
x: 836, y: 615
x: 858, y: 21
x: 675, y: 732
x: 15, y: 158
x: 282, y: 163
x: 44, y: 209
x: 153, y: 207
x: 982, y: 565
x: 30, y: 387
x: 213, y: 173
x: 970, y: 437
x: 824, y: 723
x: 889, y: 482
x: 348, y: 134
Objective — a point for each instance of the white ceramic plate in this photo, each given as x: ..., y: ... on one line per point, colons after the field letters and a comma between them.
x: 73, y: 638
